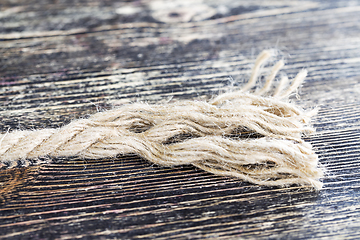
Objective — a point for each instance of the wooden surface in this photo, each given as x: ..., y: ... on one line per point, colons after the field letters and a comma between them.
x: 61, y: 60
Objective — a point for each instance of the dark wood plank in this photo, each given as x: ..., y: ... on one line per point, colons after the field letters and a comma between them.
x: 61, y: 60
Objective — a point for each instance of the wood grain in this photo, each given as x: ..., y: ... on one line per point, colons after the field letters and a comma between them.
x: 62, y: 60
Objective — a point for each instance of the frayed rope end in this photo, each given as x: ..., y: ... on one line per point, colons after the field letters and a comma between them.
x: 254, y: 136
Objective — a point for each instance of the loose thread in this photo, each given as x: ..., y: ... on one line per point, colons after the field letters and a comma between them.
x: 248, y: 136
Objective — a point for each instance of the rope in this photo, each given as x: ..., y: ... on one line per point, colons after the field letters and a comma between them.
x: 253, y: 137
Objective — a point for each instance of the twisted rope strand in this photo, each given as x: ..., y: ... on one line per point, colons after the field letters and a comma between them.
x: 242, y: 135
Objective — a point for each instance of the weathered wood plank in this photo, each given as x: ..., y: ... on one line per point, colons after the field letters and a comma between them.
x: 65, y: 60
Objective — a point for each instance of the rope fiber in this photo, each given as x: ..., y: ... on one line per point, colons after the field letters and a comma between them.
x: 256, y: 136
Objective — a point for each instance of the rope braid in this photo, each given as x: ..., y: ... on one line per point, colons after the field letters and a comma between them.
x: 250, y: 136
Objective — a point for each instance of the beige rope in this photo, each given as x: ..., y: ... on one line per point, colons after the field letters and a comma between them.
x: 243, y: 135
